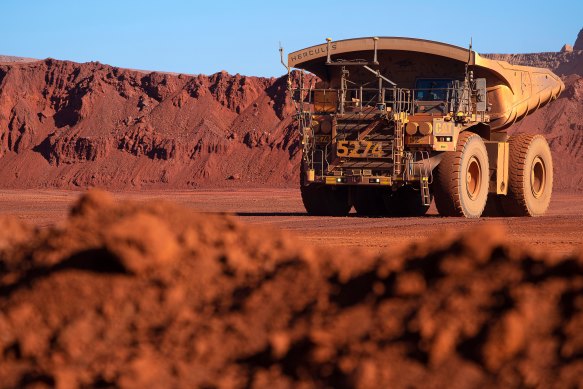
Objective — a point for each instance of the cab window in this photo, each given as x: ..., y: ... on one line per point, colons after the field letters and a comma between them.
x: 432, y: 89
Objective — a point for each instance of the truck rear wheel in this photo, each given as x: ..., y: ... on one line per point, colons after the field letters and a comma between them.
x: 406, y: 201
x: 462, y: 177
x: 320, y: 200
x: 530, y: 178
x: 370, y: 201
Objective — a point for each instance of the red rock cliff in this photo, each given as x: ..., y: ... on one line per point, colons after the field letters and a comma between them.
x: 64, y: 124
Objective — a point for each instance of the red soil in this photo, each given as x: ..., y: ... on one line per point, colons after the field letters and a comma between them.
x: 135, y: 295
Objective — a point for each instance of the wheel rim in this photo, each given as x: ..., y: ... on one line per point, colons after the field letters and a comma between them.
x: 538, y: 177
x: 473, y: 178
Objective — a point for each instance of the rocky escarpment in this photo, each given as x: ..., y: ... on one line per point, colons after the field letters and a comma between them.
x: 579, y: 42
x: 565, y: 62
x: 11, y: 58
x: 561, y: 63
x: 63, y: 123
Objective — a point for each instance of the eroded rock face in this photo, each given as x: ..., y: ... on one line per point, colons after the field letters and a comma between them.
x: 579, y: 42
x: 67, y: 148
x: 107, y: 124
x: 567, y: 48
x: 132, y: 295
x: 561, y: 63
x: 146, y: 141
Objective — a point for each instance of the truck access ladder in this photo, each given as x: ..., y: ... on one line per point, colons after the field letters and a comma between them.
x: 425, y: 196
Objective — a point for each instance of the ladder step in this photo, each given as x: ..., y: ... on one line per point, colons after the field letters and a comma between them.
x: 425, y: 195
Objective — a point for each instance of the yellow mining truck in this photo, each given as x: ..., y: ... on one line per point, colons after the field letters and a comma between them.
x: 388, y: 124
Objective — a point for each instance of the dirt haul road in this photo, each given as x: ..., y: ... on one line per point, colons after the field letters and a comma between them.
x: 559, y: 232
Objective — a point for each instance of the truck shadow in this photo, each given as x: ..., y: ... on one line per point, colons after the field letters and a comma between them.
x: 271, y: 214
x: 304, y: 214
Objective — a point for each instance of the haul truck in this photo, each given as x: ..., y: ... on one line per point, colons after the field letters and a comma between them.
x: 389, y: 124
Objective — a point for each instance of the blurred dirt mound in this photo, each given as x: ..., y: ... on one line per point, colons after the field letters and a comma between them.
x: 135, y: 295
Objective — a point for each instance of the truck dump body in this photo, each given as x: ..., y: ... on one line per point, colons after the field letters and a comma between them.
x: 513, y: 91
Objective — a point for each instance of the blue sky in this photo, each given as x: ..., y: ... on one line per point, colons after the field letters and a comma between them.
x: 243, y: 36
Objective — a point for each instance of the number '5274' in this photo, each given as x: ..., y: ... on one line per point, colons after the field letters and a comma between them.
x: 359, y: 149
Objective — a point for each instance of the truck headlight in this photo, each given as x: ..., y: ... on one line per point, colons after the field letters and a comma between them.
x: 326, y: 127
x: 316, y: 127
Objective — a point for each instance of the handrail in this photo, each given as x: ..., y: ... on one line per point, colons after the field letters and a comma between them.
x: 398, y: 99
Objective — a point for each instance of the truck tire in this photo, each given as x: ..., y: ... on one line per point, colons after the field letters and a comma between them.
x: 406, y: 202
x: 369, y: 201
x: 320, y: 200
x: 461, y: 179
x: 530, y: 176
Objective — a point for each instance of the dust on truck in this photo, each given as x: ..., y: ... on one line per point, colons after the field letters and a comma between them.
x: 389, y: 124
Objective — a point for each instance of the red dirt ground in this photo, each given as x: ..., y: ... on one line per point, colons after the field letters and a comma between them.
x: 135, y: 295
x: 558, y: 233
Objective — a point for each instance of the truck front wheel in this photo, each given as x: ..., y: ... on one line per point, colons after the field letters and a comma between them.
x: 462, y: 177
